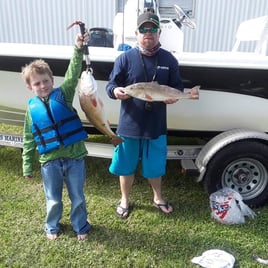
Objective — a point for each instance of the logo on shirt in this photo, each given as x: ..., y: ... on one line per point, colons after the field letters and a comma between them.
x: 162, y: 68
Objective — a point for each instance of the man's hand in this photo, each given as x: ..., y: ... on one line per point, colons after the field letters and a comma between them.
x: 170, y: 101
x: 120, y: 94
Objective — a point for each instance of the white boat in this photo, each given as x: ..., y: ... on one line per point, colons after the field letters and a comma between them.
x: 234, y: 85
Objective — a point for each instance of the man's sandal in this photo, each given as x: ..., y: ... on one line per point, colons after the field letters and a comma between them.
x: 122, y: 212
x: 164, y: 208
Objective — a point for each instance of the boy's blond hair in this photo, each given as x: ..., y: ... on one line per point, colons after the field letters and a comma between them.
x: 35, y: 67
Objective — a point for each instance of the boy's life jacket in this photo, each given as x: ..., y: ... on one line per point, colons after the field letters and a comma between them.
x: 54, y: 124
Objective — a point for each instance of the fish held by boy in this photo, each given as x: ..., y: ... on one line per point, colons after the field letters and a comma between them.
x: 152, y: 91
x: 93, y: 106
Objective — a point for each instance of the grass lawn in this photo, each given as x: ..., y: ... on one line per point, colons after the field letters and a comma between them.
x: 146, y: 239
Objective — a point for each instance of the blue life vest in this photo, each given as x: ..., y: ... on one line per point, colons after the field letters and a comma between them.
x: 54, y: 124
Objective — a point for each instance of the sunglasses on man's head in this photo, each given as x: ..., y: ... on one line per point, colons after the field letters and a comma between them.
x: 148, y: 30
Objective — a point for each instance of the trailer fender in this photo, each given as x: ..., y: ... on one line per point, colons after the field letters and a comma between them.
x: 220, y: 141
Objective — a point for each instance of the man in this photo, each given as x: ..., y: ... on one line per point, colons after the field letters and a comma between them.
x: 142, y: 125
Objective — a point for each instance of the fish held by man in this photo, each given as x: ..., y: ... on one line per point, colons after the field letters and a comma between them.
x: 93, y: 106
x: 152, y: 91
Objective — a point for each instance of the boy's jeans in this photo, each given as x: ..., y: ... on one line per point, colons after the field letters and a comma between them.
x: 54, y: 173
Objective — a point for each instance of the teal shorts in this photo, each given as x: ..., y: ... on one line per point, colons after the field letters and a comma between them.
x: 151, y: 152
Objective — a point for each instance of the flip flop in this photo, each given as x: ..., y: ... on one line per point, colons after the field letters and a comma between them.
x: 124, y: 212
x: 161, y: 207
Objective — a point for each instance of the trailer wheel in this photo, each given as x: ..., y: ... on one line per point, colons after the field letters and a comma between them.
x: 243, y: 167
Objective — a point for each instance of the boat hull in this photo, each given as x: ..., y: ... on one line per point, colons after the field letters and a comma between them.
x: 231, y: 95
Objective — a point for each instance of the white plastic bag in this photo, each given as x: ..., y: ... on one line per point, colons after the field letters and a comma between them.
x: 215, y: 258
x: 228, y: 207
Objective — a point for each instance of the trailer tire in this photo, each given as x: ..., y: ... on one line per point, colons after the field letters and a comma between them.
x: 242, y: 166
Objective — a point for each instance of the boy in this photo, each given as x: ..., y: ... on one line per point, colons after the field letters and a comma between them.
x: 52, y: 124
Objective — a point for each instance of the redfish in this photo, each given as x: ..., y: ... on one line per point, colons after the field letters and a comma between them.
x: 93, y: 106
x: 152, y: 91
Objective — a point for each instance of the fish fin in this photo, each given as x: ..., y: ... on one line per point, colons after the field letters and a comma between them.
x: 94, y: 101
x: 115, y: 140
x: 148, y: 97
x: 155, y: 82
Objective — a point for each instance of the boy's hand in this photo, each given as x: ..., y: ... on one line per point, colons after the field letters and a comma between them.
x: 80, y: 40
